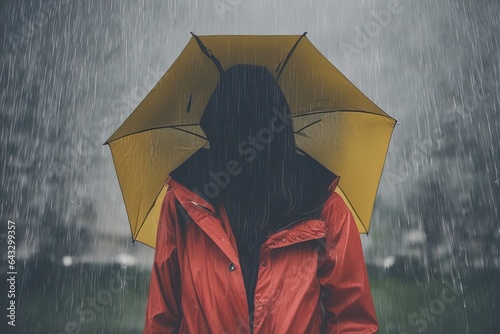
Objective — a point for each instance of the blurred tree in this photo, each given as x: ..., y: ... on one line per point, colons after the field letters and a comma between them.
x: 43, y: 166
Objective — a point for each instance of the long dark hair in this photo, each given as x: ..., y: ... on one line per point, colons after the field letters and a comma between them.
x: 252, y: 167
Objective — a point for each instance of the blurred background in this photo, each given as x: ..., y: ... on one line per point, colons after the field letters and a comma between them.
x: 72, y: 71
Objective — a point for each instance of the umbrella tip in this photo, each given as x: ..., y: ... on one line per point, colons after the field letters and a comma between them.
x: 305, y: 33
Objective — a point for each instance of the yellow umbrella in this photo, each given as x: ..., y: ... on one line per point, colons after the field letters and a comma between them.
x: 349, y: 134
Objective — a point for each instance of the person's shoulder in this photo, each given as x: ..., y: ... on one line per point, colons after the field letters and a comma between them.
x: 169, y: 194
x: 174, y: 194
x: 337, y: 214
x: 335, y: 204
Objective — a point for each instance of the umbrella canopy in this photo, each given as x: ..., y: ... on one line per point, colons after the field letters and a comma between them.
x: 334, y: 122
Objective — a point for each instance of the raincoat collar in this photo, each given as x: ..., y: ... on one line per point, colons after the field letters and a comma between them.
x: 188, y: 197
x: 203, y: 212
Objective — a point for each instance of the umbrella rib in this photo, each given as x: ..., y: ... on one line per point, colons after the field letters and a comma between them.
x: 192, y: 133
x: 147, y: 214
x: 294, y: 116
x: 176, y: 127
x: 340, y: 110
x: 209, y: 54
x: 288, y: 56
x: 308, y: 125
x: 352, y: 209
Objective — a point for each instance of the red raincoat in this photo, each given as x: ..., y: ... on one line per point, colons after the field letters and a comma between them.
x: 312, y: 275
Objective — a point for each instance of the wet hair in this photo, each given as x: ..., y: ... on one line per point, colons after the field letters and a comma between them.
x: 252, y: 167
x: 241, y: 123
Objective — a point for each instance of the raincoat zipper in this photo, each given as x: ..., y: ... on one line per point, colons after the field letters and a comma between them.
x: 202, y: 207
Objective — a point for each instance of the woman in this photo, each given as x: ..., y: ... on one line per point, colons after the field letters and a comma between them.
x: 252, y: 237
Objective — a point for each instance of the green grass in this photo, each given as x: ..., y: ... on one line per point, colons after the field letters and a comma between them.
x: 416, y: 305
x: 87, y: 299
x: 82, y: 299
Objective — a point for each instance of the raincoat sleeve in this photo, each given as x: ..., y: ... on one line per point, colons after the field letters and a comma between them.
x: 163, y: 313
x: 347, y: 299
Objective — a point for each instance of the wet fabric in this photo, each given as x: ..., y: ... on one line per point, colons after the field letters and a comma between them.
x: 333, y: 121
x: 310, y: 275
